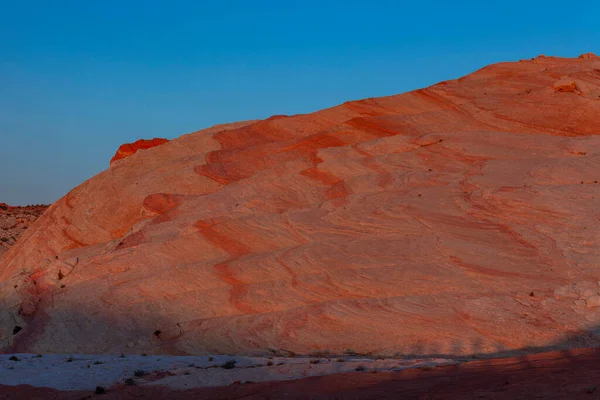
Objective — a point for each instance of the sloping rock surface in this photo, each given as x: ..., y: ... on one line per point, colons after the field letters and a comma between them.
x: 452, y: 220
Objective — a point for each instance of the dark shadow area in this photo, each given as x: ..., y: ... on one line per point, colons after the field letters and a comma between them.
x: 589, y: 338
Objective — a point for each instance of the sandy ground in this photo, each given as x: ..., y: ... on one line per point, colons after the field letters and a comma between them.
x: 455, y: 220
x: 572, y: 374
x: 85, y: 372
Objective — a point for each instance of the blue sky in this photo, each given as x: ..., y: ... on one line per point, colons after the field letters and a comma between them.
x: 78, y: 78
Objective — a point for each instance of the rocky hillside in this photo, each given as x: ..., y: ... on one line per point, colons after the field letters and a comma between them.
x: 14, y: 221
x: 453, y: 220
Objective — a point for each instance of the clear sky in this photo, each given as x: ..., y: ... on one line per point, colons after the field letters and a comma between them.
x: 78, y: 78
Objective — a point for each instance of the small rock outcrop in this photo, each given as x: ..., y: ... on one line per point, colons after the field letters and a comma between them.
x: 128, y: 149
x: 14, y: 221
x: 565, y: 85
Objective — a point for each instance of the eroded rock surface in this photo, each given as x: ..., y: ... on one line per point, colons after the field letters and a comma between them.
x: 129, y: 149
x: 452, y: 220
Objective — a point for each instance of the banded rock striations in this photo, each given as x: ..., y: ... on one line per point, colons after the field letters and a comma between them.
x: 457, y: 219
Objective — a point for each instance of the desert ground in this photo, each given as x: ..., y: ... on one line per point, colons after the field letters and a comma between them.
x: 570, y: 374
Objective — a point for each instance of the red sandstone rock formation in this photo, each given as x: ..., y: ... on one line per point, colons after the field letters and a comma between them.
x: 128, y: 149
x: 457, y: 219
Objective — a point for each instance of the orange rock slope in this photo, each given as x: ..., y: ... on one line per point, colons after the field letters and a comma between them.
x: 457, y: 219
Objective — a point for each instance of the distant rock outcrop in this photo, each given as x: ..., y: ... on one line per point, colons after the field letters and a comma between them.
x: 14, y: 221
x: 128, y: 149
x: 457, y: 219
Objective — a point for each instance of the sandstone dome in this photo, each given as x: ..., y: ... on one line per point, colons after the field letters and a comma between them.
x: 458, y: 219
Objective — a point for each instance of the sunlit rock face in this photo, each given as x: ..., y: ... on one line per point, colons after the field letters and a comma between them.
x: 458, y: 219
x: 129, y: 149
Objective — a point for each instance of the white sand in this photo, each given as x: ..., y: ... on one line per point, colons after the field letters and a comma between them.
x: 85, y: 372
